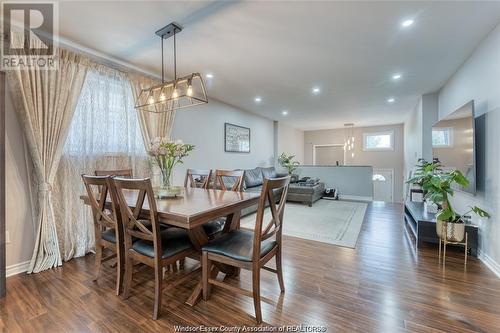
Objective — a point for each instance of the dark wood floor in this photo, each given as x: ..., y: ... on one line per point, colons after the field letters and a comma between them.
x: 381, y: 286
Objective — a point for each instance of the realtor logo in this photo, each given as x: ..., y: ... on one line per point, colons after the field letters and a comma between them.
x: 28, y: 31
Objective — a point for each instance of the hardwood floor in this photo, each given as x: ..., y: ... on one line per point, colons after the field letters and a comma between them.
x: 381, y: 286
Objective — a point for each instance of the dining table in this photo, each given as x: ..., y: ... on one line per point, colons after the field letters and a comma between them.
x: 192, y: 208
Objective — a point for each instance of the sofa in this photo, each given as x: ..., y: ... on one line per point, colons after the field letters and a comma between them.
x: 253, y: 181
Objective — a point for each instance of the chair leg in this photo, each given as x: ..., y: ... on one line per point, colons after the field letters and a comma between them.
x: 98, y: 260
x: 256, y: 293
x: 181, y: 263
x: 205, y: 269
x: 120, y: 270
x: 158, y: 290
x: 279, y: 268
x: 127, y: 283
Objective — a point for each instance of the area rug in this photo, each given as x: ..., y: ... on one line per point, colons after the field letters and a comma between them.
x: 327, y: 221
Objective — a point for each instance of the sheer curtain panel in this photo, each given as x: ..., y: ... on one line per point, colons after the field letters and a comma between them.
x: 105, y: 134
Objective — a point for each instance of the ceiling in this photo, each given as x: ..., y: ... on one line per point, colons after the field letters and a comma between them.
x: 281, y: 50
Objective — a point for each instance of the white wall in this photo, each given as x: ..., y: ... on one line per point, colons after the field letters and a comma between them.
x: 479, y: 79
x: 413, y: 138
x: 19, y: 222
x: 377, y: 159
x: 203, y: 126
x: 290, y: 141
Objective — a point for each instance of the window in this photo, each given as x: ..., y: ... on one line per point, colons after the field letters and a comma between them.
x: 442, y: 137
x: 105, y: 122
x: 378, y: 141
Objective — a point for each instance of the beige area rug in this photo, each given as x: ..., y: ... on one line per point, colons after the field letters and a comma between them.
x: 327, y: 221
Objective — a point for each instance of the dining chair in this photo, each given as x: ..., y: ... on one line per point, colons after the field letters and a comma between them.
x: 229, y: 178
x: 251, y: 250
x: 155, y: 247
x: 224, y: 179
x: 127, y: 173
x: 197, y: 178
x: 107, y: 227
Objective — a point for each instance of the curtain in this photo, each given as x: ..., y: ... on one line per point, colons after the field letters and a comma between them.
x: 152, y: 124
x: 105, y: 135
x: 45, y: 101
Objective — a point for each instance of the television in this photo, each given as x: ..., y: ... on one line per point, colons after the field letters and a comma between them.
x: 453, y: 144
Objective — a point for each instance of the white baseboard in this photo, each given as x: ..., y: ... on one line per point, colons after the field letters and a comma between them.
x: 15, y: 269
x: 355, y: 198
x: 490, y: 263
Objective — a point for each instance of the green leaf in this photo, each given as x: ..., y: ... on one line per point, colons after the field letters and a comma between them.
x: 445, y: 214
x: 480, y: 212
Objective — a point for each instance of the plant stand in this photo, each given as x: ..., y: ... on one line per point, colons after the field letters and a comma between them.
x: 445, y: 242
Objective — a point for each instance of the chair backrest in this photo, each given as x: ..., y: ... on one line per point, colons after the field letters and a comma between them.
x: 203, y: 177
x: 97, y: 191
x: 274, y: 227
x: 127, y: 173
x: 221, y: 176
x: 126, y: 191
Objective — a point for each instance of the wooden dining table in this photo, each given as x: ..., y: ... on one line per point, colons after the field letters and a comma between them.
x: 193, y: 208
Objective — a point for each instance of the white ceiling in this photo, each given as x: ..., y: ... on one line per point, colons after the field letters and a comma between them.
x: 280, y: 50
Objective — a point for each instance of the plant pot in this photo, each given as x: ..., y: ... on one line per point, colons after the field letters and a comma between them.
x: 455, y: 232
x: 439, y: 228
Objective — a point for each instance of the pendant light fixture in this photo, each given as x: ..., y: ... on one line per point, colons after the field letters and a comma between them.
x: 349, y: 139
x: 179, y: 93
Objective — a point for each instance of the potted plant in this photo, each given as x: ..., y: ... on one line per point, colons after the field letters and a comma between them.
x: 437, y: 186
x: 287, y: 162
x: 423, y: 173
x: 167, y: 154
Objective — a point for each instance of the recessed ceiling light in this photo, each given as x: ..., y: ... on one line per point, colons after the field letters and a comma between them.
x: 407, y: 23
x: 209, y: 75
x: 390, y: 100
x: 284, y: 112
x: 316, y: 90
x: 396, y: 76
x: 258, y: 99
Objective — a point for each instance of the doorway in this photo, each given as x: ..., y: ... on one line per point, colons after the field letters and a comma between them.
x: 383, y: 187
x: 329, y: 154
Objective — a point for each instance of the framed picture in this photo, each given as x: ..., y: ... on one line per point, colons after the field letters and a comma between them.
x: 236, y: 138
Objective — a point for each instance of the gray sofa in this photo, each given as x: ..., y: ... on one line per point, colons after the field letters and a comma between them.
x: 253, y: 181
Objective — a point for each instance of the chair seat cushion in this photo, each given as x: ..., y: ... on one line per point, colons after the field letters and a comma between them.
x: 109, y: 235
x: 238, y: 245
x: 173, y: 241
x: 213, y: 227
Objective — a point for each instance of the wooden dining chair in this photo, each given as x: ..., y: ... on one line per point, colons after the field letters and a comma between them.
x: 197, y: 178
x: 107, y: 226
x: 251, y: 250
x: 229, y: 178
x: 226, y: 180
x: 127, y: 173
x: 152, y: 246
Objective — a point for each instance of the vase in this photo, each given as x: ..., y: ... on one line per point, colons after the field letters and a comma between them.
x: 439, y: 228
x: 166, y: 178
x: 167, y: 190
x: 455, y: 232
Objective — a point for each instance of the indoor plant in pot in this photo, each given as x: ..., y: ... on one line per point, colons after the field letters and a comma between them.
x: 287, y: 162
x: 167, y: 154
x: 438, y: 189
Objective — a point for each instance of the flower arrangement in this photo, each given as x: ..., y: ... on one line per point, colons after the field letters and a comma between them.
x: 167, y: 154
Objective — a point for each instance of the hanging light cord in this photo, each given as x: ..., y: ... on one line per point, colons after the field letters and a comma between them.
x: 162, y: 66
x: 175, y: 56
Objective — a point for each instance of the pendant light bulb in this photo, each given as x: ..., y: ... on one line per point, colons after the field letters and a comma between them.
x: 352, y: 155
x: 175, y: 94
x: 151, y: 100
x: 162, y: 97
x: 189, y: 91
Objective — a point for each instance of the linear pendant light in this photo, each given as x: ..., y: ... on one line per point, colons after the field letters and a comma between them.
x: 179, y: 93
